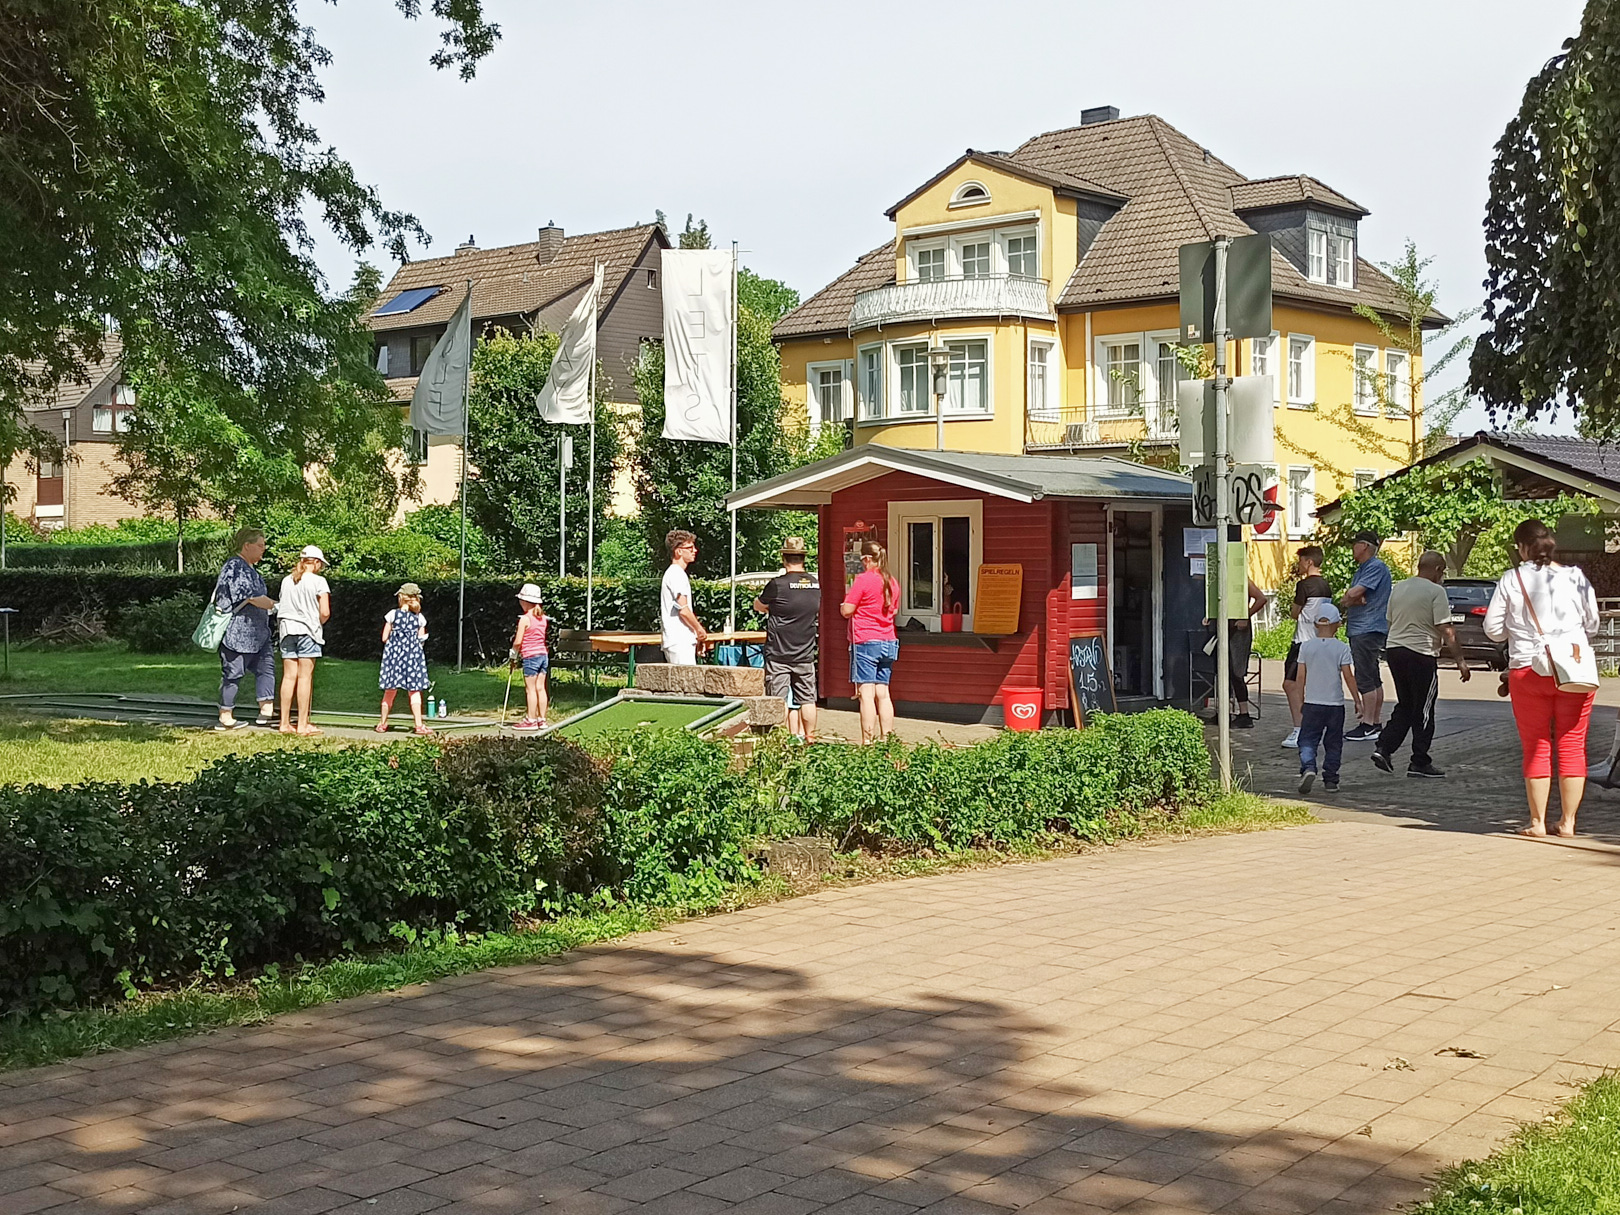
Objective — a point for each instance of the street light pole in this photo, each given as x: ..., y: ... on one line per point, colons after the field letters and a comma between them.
x: 1223, y: 519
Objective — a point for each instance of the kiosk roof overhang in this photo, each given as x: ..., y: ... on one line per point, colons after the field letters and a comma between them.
x: 1020, y: 478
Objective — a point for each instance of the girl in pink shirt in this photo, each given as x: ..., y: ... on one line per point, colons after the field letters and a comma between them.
x: 870, y: 606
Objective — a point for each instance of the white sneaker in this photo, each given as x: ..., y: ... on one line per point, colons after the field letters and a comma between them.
x: 1293, y: 738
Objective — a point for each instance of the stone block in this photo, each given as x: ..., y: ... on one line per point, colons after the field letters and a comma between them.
x: 802, y: 856
x: 665, y: 677
x: 733, y: 681
x: 766, y: 712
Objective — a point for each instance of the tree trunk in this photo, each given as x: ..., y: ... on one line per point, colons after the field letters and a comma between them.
x: 179, y: 541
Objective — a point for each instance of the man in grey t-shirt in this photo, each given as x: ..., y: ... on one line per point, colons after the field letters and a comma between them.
x: 1419, y: 623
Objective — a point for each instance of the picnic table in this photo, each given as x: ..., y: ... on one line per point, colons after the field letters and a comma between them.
x: 628, y: 643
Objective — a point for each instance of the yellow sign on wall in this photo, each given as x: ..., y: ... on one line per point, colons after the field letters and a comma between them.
x: 996, y: 600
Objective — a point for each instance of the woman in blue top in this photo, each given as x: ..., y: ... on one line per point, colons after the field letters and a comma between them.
x: 246, y: 647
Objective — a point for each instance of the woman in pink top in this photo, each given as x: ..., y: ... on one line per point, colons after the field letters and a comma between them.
x: 870, y: 607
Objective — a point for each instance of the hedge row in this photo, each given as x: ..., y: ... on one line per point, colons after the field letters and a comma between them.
x: 286, y: 855
x: 359, y: 604
x: 202, y: 553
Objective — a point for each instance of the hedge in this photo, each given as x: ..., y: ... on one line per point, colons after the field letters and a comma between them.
x: 288, y: 855
x: 201, y: 553
x: 359, y: 604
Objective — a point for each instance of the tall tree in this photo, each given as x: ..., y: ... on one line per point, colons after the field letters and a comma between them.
x: 156, y: 169
x: 514, y: 495
x: 1552, y: 240
x: 684, y: 484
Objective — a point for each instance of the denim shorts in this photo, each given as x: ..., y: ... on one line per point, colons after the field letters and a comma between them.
x: 536, y: 664
x: 299, y: 645
x: 872, y: 661
x: 1365, y: 651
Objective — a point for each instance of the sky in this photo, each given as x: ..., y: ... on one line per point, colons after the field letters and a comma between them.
x: 791, y: 128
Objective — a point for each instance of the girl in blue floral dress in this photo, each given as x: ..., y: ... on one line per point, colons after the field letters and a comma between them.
x: 404, y: 661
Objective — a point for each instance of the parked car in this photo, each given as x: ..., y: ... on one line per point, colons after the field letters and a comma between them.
x: 1469, y: 598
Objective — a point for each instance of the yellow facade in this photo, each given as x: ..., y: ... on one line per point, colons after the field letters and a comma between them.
x: 1088, y: 403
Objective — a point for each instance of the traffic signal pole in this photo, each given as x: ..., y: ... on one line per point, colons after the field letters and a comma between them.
x: 1223, y: 519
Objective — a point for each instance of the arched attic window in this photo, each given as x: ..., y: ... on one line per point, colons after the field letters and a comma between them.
x: 970, y: 194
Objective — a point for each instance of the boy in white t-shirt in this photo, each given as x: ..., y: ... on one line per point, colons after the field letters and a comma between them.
x: 1326, y: 669
x: 682, y: 632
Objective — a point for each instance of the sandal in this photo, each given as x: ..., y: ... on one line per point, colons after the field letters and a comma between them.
x: 381, y: 727
x: 422, y: 730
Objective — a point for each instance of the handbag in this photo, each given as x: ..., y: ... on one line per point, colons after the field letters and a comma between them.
x: 1572, y: 664
x: 210, y: 630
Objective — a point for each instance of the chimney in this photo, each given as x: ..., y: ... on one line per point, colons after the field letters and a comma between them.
x: 1099, y: 113
x: 549, y: 244
x: 467, y: 246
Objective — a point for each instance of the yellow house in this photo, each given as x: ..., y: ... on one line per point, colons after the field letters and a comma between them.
x: 1050, y: 274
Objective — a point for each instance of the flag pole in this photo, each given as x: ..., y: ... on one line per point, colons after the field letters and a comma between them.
x: 562, y: 505
x: 466, y: 382
x: 590, y: 493
x: 731, y: 622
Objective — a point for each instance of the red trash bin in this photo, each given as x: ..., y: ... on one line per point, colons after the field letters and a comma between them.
x: 1022, y: 708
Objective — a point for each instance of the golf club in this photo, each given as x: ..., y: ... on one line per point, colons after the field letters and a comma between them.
x: 507, y: 699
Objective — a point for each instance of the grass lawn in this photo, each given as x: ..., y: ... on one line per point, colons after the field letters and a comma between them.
x: 59, y: 751
x: 1567, y: 1165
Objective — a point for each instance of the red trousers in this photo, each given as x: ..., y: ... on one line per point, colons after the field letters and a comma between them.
x: 1549, y: 719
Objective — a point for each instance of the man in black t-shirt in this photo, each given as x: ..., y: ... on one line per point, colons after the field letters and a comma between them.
x: 1310, y: 592
x: 791, y: 604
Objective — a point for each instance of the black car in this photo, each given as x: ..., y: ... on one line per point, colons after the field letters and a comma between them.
x: 1469, y: 598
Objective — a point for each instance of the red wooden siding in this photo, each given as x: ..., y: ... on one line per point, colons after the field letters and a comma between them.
x: 1080, y: 523
x: 1028, y: 533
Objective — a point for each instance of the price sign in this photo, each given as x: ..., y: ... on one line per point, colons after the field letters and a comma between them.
x: 1091, y: 687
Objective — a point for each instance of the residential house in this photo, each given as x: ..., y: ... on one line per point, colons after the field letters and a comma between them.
x: 68, y: 484
x: 1051, y: 275
x: 520, y: 288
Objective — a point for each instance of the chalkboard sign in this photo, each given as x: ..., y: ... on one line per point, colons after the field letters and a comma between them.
x: 1091, y: 687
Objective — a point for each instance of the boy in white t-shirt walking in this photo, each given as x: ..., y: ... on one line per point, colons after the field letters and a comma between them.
x: 1326, y: 669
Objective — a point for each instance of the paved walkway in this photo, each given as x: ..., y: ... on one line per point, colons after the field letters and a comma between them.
x: 1306, y: 1020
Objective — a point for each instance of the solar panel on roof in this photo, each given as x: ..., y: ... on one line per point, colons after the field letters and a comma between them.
x: 406, y: 301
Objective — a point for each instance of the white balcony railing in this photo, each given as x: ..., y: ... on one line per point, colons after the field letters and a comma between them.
x: 993, y: 295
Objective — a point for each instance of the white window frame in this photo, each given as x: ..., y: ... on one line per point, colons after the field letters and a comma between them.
x: 1363, y: 477
x: 1339, y: 243
x: 1103, y: 409
x: 813, y: 402
x: 962, y: 341
x: 1050, y: 407
x: 1266, y: 348
x: 1306, y: 397
x: 956, y: 264
x: 961, y: 198
x: 1364, y: 380
x: 902, y: 513
x: 1154, y: 389
x: 416, y: 447
x: 1004, y: 235
x: 1398, y: 383
x: 1307, y: 513
x: 1316, y: 255
x: 897, y: 410
x: 863, y: 399
x: 914, y: 247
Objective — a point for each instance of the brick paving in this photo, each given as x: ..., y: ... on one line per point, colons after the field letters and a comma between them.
x: 1307, y: 1020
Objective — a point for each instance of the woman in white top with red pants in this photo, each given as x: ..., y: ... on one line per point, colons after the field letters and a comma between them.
x: 1565, y: 608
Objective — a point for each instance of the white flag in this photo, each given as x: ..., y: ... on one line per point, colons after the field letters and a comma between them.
x: 700, y: 315
x: 439, y: 404
x: 567, y: 394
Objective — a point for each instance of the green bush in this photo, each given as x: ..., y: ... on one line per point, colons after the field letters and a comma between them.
x: 288, y: 855
x: 1273, y: 642
x: 163, y: 626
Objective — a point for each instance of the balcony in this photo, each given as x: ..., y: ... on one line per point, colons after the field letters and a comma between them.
x: 1148, y: 423
x: 943, y: 298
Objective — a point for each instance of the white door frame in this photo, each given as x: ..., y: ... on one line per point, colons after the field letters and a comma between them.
x: 1157, y: 528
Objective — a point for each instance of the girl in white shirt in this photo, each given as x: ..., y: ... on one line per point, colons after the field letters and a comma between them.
x: 304, y: 606
x: 1566, y: 609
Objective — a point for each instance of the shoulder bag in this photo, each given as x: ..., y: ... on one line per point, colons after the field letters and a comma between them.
x: 1572, y: 664
x: 210, y: 630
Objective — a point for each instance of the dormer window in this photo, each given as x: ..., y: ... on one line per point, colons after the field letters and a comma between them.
x: 1318, y: 272
x: 1344, y: 261
x: 970, y: 194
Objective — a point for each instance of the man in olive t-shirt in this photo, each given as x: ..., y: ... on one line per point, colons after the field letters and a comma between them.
x: 791, y: 604
x: 1419, y: 622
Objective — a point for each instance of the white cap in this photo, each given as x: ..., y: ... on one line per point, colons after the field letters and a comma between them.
x: 1327, y: 612
x: 312, y: 550
x: 530, y: 593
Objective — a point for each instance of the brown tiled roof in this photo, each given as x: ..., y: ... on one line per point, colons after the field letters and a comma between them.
x: 1179, y: 192
x: 827, y: 311
x: 508, y: 281
x: 1063, y: 183
x: 68, y: 393
x: 1290, y: 191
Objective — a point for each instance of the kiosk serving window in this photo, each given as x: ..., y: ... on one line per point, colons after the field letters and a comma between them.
x: 939, y: 548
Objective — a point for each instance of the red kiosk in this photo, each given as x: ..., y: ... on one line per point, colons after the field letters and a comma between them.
x: 1002, y: 559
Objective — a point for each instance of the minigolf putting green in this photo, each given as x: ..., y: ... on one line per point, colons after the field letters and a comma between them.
x: 650, y: 711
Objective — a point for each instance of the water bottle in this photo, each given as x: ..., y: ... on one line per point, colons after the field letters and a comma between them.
x: 433, y: 709
x: 444, y: 710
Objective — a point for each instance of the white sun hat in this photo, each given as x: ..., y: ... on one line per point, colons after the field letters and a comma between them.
x: 530, y: 593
